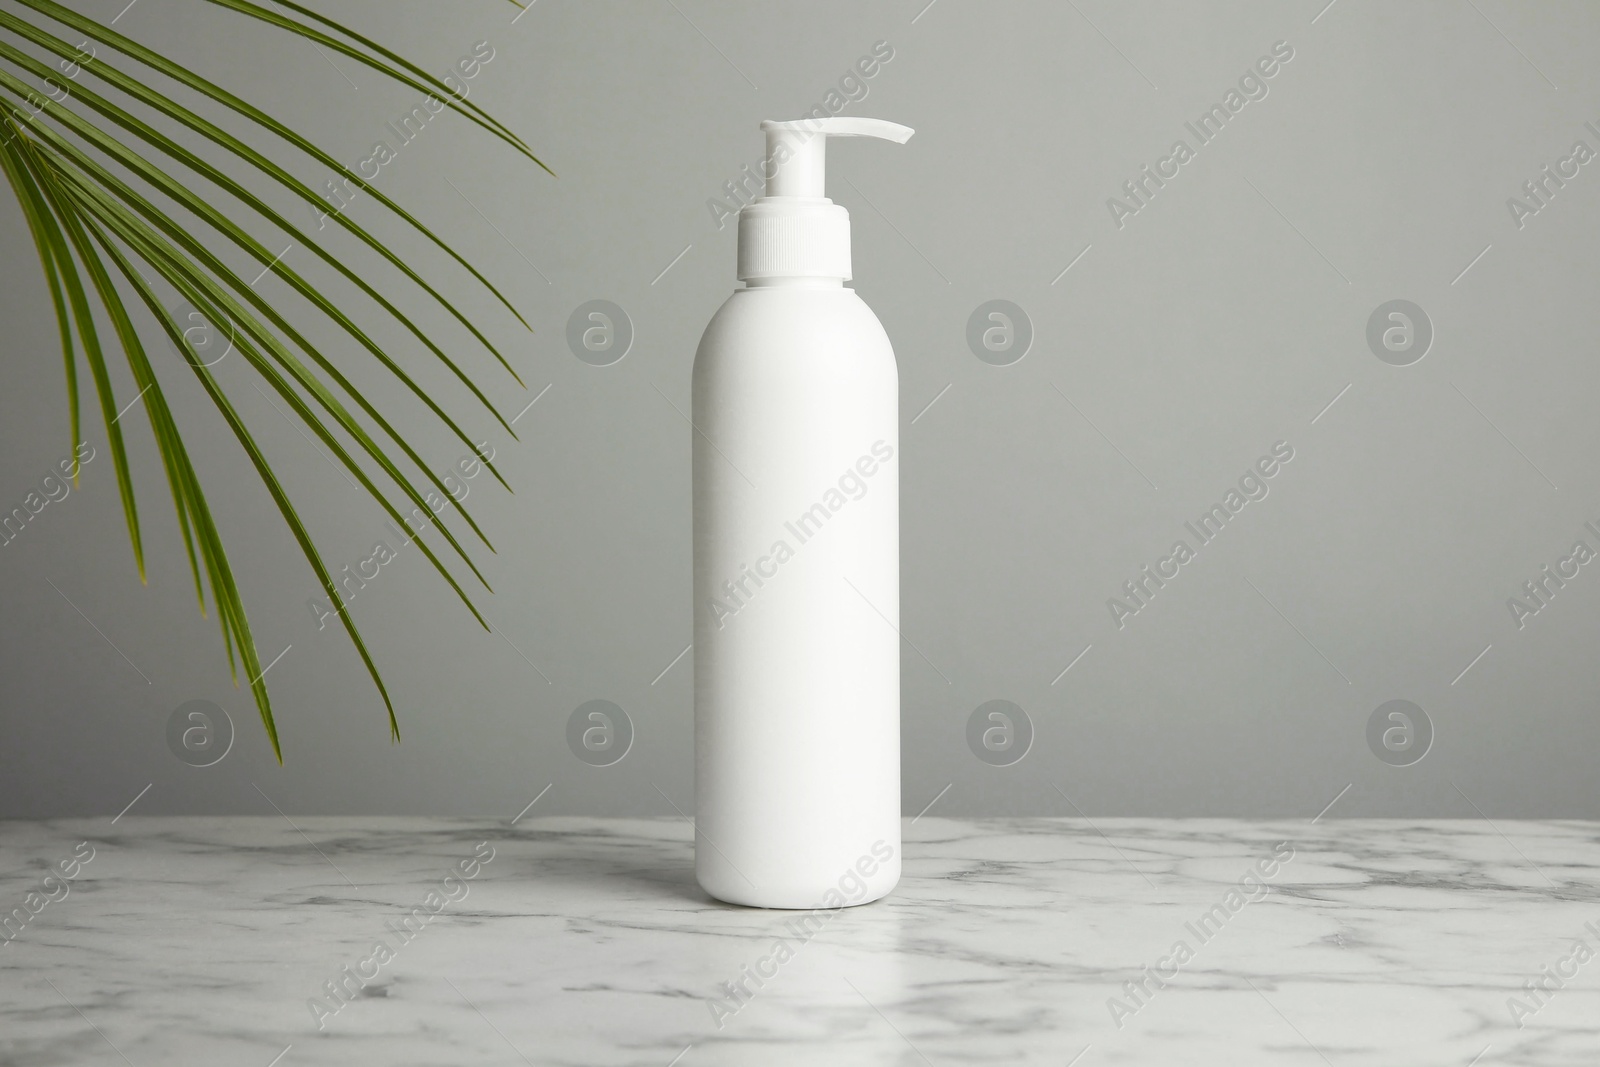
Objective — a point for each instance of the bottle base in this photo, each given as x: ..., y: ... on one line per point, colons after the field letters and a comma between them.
x: 809, y: 897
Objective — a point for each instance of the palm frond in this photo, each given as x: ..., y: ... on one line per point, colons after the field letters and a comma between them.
x: 25, y: 182
x: 198, y: 205
x: 211, y: 91
x: 142, y: 223
x: 397, y: 68
x: 194, y: 162
x: 31, y: 210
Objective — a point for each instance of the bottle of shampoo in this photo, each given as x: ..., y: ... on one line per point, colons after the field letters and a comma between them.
x: 797, y: 557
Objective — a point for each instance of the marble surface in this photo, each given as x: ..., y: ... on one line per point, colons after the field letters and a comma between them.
x: 586, y: 941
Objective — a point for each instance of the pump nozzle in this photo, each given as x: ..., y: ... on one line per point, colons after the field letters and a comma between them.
x: 795, y: 231
x: 797, y: 150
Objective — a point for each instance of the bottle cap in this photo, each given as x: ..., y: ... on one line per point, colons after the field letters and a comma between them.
x: 795, y: 231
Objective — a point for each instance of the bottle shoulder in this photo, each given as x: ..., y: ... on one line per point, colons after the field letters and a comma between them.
x: 807, y: 315
x: 795, y: 335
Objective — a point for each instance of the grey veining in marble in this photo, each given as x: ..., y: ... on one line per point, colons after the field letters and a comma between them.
x: 586, y: 941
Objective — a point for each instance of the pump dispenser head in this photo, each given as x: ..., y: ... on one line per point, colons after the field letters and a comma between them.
x: 795, y: 231
x: 797, y: 150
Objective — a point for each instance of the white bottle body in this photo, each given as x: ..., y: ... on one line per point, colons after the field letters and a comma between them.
x: 797, y: 600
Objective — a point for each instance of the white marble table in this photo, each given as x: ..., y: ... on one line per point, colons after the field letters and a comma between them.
x: 586, y: 941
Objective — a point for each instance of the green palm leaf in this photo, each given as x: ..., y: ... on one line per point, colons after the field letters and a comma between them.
x: 177, y: 112
x: 214, y: 92
x: 93, y: 225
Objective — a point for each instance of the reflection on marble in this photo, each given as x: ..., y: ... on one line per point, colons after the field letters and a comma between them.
x: 586, y: 941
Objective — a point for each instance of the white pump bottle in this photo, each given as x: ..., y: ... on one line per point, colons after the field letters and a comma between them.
x: 797, y: 557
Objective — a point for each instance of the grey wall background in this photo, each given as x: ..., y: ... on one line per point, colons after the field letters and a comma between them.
x: 1225, y: 316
